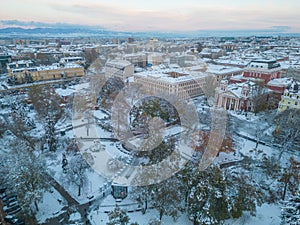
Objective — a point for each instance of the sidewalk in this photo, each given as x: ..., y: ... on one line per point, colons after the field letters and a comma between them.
x: 72, y: 204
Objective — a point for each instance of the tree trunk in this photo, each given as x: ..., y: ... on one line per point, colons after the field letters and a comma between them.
x: 195, y: 222
x: 284, y: 190
x: 79, y: 190
x: 146, y: 205
x: 160, y: 215
x: 36, y: 205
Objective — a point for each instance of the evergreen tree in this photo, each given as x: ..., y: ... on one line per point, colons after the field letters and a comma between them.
x: 290, y: 213
x: 243, y: 194
x: 207, y: 200
x: 167, y: 198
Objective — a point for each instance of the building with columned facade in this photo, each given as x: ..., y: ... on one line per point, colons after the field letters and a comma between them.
x: 237, y: 97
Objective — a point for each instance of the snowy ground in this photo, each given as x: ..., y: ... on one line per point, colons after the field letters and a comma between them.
x: 227, y: 157
x: 247, y: 147
x: 94, y: 185
x: 53, y: 203
x: 50, y: 206
x: 249, y: 116
x: 99, y: 215
x: 265, y: 215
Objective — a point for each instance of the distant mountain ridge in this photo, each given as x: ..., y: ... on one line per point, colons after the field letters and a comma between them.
x: 48, y: 30
x: 100, y: 32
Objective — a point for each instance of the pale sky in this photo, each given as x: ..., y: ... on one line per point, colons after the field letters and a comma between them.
x: 158, y: 15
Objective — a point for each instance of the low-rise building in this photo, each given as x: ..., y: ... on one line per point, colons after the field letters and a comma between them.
x: 280, y: 84
x: 262, y: 70
x: 177, y: 82
x: 75, y: 59
x: 137, y: 59
x: 24, y: 72
x: 237, y: 97
x: 290, y: 98
x: 119, y: 68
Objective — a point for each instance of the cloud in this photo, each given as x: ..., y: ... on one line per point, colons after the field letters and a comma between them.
x: 19, y: 23
x: 126, y: 16
x: 35, y: 24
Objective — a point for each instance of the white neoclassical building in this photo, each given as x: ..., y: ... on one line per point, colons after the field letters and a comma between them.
x: 177, y: 82
x: 236, y: 96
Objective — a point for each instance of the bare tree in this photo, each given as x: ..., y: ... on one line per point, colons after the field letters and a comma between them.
x: 76, y: 172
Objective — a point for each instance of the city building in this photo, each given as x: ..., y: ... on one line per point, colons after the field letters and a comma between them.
x: 137, y: 59
x: 279, y: 85
x: 177, y: 82
x: 262, y: 70
x: 290, y: 98
x: 119, y: 68
x: 75, y: 59
x: 220, y: 72
x: 239, y: 96
x: 25, y: 72
x: 4, y: 59
x: 154, y: 58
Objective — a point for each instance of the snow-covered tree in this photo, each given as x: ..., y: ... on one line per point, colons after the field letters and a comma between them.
x: 167, y: 198
x: 48, y: 106
x: 270, y: 166
x: 50, y: 137
x: 287, y: 131
x: 142, y: 194
x: 76, y: 171
x: 19, y: 124
x: 154, y: 221
x: 46, y: 102
x: 207, y: 202
x: 291, y: 178
x: 118, y: 217
x: 243, y: 193
x: 290, y: 213
x: 25, y: 175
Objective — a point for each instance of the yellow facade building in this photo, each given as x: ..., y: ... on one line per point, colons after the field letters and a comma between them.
x: 290, y: 98
x: 25, y: 72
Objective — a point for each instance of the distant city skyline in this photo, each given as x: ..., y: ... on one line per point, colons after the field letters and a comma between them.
x: 167, y: 15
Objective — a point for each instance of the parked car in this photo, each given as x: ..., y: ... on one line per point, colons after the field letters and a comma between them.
x: 10, y: 219
x: 12, y: 210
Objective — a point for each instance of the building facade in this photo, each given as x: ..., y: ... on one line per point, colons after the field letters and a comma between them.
x: 24, y: 72
x: 262, y: 70
x: 290, y: 98
x: 237, y: 97
x: 119, y: 68
x: 137, y: 59
x: 176, y: 82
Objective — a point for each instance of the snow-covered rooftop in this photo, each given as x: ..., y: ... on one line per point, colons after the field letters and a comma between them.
x: 165, y: 75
